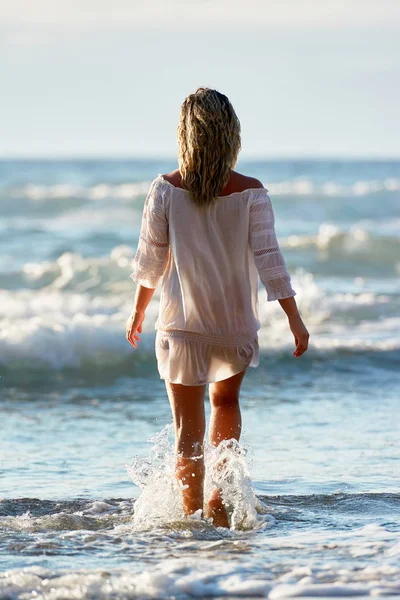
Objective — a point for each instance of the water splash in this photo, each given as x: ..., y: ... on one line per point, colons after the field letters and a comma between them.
x: 160, y: 503
x: 227, y: 470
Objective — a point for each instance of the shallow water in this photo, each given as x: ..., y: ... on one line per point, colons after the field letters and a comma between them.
x: 318, y: 470
x: 324, y: 465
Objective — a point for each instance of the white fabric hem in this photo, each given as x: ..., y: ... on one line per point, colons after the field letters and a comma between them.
x: 252, y: 366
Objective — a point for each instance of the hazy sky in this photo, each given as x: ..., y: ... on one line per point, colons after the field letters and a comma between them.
x: 90, y: 78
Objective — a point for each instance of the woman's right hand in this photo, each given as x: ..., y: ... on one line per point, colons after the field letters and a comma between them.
x: 301, y: 335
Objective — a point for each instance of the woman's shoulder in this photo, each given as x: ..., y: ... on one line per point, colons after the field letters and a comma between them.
x: 238, y: 182
x: 173, y: 178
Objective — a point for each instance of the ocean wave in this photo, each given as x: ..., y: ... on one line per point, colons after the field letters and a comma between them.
x: 61, y: 326
x: 349, y: 241
x: 344, y: 251
x: 33, y: 200
x: 125, y: 192
x: 73, y: 272
x: 94, y: 346
x: 339, y: 252
x: 65, y: 191
x: 306, y: 187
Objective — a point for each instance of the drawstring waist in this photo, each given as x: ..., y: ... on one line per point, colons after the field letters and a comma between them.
x: 218, y: 340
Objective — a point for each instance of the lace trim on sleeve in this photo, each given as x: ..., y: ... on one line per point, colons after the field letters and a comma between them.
x: 268, y: 258
x: 266, y: 251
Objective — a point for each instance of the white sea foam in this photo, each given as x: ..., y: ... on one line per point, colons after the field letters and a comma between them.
x: 99, y: 507
x: 302, y: 187
x: 101, y: 191
x: 198, y: 577
x: 71, y: 271
x: 124, y: 192
x: 360, y: 239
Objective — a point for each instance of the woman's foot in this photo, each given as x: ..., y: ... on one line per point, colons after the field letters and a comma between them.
x: 216, y: 510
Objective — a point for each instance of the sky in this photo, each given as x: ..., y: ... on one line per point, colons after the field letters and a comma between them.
x: 88, y: 78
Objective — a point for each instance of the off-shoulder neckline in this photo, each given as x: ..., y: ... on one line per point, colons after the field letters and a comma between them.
x: 160, y: 176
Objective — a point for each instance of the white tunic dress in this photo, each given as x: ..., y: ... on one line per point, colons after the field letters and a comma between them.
x: 208, y: 265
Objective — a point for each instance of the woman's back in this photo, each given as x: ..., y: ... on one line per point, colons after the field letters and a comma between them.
x: 209, y: 278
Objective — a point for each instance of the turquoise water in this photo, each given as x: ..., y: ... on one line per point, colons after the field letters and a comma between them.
x: 317, y: 475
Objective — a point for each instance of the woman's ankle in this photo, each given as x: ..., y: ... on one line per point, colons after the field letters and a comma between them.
x: 190, y: 475
x: 216, y: 509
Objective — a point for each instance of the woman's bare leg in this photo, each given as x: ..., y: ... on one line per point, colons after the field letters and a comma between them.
x: 187, y: 405
x: 226, y: 423
x: 226, y: 419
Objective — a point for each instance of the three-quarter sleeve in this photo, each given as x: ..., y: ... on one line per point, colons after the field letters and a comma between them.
x: 268, y: 257
x: 153, y: 246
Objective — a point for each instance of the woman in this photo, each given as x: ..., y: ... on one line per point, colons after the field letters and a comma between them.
x: 207, y: 233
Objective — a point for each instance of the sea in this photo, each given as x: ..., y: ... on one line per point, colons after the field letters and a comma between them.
x: 89, y: 507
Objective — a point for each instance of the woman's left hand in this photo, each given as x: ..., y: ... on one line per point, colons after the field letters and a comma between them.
x: 133, y: 327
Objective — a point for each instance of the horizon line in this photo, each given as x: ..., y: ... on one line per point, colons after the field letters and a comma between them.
x: 149, y: 158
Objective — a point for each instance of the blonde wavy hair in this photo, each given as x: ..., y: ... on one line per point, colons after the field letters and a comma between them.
x: 209, y: 142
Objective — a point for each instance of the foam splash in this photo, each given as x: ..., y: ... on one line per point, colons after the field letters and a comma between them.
x: 226, y: 468
x: 159, y: 501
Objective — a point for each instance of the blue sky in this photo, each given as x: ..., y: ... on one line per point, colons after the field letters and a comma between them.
x: 88, y: 78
